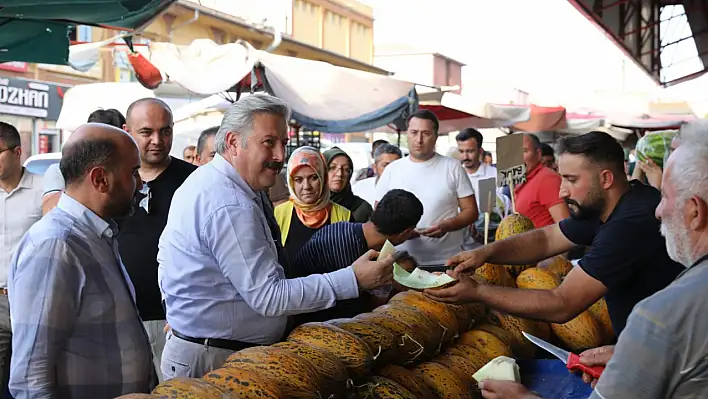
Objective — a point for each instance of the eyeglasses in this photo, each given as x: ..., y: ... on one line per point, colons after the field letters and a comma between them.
x: 145, y: 201
x: 341, y: 169
x: 8, y: 149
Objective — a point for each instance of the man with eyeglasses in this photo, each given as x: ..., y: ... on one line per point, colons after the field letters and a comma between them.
x: 20, y: 208
x: 149, y: 121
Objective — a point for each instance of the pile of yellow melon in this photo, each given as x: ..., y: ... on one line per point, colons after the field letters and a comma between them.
x: 412, y: 347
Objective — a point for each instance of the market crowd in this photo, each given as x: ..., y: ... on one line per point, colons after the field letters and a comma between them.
x: 123, y: 266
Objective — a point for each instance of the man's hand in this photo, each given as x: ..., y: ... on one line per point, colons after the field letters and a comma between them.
x: 414, y: 234
x: 463, y: 291
x: 492, y: 389
x: 652, y: 171
x: 371, y: 273
x: 434, y: 231
x: 596, y: 357
x: 167, y: 328
x: 468, y: 260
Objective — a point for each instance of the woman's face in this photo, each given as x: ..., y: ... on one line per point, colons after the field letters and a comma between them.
x: 339, y: 173
x: 307, y: 185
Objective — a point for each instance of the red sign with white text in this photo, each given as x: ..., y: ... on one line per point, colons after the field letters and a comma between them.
x: 14, y: 66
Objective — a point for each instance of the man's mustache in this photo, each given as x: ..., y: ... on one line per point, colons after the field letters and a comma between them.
x: 569, y: 201
x: 274, y: 165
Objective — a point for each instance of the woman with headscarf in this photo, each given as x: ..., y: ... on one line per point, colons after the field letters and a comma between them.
x: 309, y: 207
x: 339, y: 169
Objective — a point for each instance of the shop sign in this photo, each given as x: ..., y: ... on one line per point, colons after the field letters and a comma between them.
x: 14, y: 66
x: 31, y: 98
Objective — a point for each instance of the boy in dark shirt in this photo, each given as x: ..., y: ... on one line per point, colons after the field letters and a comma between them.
x: 627, y: 260
x: 337, y: 245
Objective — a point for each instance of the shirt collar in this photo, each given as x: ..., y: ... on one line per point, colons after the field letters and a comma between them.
x: 26, y: 179
x: 701, y: 262
x: 533, y: 172
x: 223, y: 166
x: 481, y: 171
x: 81, y: 213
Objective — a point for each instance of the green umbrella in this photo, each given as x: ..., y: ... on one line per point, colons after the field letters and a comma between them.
x: 38, y: 30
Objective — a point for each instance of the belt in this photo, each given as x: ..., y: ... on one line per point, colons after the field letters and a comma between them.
x: 215, y: 342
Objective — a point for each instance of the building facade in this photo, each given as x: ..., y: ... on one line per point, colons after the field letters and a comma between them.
x: 419, y: 66
x: 339, y: 32
x: 343, y: 27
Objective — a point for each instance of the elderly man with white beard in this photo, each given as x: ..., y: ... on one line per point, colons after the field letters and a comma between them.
x: 663, y: 351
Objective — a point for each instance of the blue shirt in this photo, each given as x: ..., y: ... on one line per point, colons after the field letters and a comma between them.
x: 76, y: 330
x: 219, y: 272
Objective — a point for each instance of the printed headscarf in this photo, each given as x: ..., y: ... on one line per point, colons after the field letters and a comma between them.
x: 313, y: 215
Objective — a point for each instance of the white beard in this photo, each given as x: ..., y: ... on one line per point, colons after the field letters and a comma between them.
x: 677, y: 243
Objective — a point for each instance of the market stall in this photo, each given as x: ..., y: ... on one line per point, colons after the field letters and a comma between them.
x: 415, y: 347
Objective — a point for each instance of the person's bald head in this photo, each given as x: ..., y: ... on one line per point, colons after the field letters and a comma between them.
x: 100, y: 166
x: 150, y: 122
x: 94, y: 145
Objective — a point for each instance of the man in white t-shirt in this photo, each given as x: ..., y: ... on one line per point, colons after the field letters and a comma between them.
x: 469, y: 146
x: 441, y: 184
x: 383, y: 156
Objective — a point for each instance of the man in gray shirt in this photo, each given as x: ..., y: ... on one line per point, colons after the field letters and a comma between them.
x: 662, y: 352
x: 20, y: 208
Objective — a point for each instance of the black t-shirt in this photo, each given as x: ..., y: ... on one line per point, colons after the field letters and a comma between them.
x: 627, y: 252
x: 139, y: 235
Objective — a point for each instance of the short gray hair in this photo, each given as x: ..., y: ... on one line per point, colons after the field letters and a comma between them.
x: 694, y: 133
x: 387, y: 149
x: 688, y: 171
x: 239, y: 117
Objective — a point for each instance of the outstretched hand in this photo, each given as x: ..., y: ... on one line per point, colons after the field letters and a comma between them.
x: 372, y: 273
x: 467, y: 261
x: 463, y: 291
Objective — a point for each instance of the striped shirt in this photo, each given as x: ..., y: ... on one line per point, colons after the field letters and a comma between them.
x: 331, y: 248
x: 76, y: 329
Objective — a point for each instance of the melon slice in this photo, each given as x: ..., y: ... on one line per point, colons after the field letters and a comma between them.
x: 502, y: 368
x: 420, y: 279
x: 387, y: 249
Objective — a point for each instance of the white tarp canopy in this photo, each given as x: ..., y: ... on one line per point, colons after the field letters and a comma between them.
x: 322, y: 96
x: 456, y: 112
x: 80, y: 101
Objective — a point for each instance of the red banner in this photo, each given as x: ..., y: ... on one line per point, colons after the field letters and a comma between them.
x: 14, y: 66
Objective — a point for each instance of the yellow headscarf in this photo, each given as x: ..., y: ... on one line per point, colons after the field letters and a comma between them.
x: 313, y: 215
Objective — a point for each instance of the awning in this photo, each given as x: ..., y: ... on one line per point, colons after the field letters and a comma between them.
x: 38, y: 30
x: 323, y: 97
x: 543, y: 119
x: 81, y: 100
x: 457, y: 112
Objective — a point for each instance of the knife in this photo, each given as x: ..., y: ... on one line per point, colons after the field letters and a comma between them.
x: 571, y: 360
